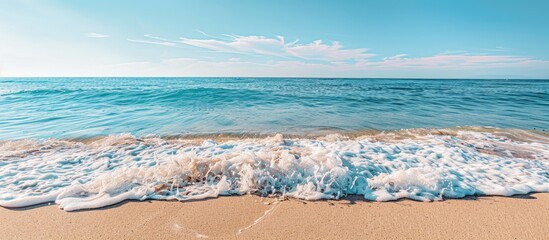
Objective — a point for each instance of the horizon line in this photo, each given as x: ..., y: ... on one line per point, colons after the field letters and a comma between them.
x: 265, y: 77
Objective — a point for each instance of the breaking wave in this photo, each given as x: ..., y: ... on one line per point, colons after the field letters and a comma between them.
x: 418, y: 164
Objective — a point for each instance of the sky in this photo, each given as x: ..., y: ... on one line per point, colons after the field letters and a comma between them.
x: 251, y: 38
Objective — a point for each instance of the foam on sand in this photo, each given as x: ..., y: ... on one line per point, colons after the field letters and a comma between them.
x: 423, y: 165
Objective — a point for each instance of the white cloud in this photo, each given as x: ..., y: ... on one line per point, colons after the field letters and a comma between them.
x: 350, y: 59
x: 242, y: 44
x: 167, y: 44
x: 317, y: 50
x: 458, y: 61
x: 458, y: 66
x: 97, y: 35
x: 397, y: 66
x: 265, y: 46
x: 280, y: 59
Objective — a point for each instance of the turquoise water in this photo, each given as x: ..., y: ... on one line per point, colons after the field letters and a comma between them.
x: 91, y: 142
x: 87, y: 107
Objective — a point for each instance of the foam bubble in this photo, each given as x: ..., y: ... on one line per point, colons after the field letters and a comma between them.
x: 420, y: 165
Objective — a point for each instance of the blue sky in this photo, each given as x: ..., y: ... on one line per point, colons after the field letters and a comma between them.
x: 432, y: 39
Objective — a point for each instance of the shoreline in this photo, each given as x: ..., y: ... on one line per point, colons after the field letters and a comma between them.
x: 379, y: 135
x: 253, y: 217
x: 416, y: 165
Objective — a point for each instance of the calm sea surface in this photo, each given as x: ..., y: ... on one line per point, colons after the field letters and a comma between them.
x: 88, y: 107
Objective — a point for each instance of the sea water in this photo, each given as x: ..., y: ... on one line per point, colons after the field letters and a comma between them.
x: 91, y: 142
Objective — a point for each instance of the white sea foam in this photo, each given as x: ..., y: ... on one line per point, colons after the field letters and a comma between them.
x: 420, y: 165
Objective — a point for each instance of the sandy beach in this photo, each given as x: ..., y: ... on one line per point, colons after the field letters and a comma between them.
x: 252, y: 217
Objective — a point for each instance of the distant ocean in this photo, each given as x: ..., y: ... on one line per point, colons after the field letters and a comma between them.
x: 92, y: 142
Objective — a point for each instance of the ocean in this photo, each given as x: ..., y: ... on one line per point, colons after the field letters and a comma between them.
x: 92, y: 142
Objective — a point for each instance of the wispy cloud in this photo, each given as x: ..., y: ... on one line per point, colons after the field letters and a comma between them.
x: 449, y: 61
x: 497, y: 49
x: 204, y: 34
x: 268, y: 46
x: 96, y: 35
x: 328, y: 52
x: 167, y: 44
x: 242, y: 44
x: 458, y: 66
x: 155, y: 41
x: 318, y: 58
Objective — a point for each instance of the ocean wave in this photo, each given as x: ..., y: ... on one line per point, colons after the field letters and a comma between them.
x: 419, y: 164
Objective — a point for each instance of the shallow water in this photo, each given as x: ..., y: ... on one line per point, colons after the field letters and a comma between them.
x: 89, y: 143
x: 418, y: 164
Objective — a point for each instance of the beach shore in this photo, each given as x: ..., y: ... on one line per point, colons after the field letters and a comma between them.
x: 252, y: 217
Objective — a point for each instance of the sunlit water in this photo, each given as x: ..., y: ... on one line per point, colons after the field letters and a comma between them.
x: 91, y: 142
x: 86, y: 107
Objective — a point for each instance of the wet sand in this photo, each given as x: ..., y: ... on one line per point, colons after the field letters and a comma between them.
x: 251, y: 217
